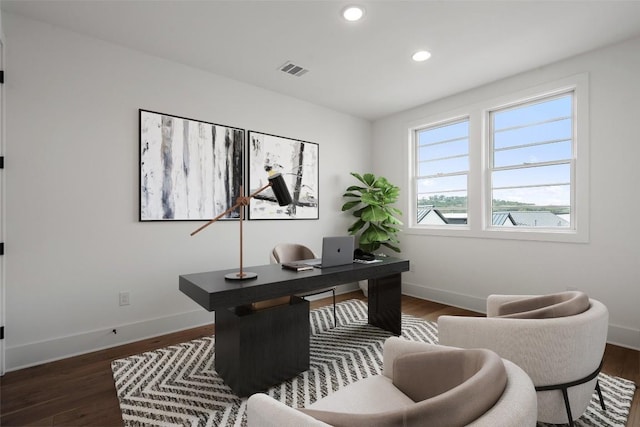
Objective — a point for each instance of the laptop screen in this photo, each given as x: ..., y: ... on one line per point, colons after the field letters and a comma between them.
x: 337, y: 250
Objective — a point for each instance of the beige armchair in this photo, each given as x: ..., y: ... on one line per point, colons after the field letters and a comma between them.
x: 559, y: 350
x: 288, y: 252
x: 422, y: 384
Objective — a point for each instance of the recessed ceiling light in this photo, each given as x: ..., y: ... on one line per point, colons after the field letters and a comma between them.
x: 353, y: 13
x: 421, y: 55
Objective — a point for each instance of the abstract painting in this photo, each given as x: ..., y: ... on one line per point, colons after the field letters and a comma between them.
x: 189, y: 169
x: 297, y: 161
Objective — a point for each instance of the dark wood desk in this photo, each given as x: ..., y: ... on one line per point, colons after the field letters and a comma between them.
x: 213, y: 292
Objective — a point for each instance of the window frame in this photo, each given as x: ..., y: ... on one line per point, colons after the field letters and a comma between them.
x: 492, y: 168
x: 416, y: 149
x: 479, y: 200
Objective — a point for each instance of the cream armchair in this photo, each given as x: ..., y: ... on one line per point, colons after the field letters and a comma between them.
x: 421, y: 384
x: 562, y: 355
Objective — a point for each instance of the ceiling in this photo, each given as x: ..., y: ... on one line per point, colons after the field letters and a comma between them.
x: 364, y: 68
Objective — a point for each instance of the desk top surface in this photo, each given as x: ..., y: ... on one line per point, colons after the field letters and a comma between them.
x: 211, y: 290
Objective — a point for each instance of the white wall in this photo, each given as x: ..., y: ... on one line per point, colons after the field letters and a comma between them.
x: 463, y: 271
x: 73, y: 239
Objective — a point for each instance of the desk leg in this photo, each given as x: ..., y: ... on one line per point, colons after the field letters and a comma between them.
x: 257, y: 350
x: 385, y: 303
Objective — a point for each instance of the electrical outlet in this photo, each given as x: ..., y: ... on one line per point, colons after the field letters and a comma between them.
x: 124, y: 298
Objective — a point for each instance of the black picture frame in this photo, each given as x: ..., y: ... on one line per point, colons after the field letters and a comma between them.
x: 190, y: 170
x: 298, y: 162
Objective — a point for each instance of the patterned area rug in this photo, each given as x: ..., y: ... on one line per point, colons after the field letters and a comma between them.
x: 177, y: 385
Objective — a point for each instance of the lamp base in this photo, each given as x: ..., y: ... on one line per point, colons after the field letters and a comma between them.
x: 244, y: 276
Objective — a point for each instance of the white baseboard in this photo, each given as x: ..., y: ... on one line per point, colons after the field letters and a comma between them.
x: 24, y: 356
x: 467, y: 302
x: 624, y: 337
x: 617, y: 335
x: 37, y: 353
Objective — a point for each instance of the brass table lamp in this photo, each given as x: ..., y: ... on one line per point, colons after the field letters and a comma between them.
x: 277, y: 184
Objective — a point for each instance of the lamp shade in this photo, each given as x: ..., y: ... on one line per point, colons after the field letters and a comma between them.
x: 280, y: 189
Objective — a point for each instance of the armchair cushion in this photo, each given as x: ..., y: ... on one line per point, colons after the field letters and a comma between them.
x: 372, y: 401
x: 358, y: 402
x: 372, y: 394
x: 447, y: 387
x: 452, y: 387
x: 545, y: 306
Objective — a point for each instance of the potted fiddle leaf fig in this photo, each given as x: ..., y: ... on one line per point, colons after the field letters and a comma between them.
x: 376, y: 218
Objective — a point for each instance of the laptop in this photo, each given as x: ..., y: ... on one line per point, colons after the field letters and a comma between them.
x: 335, y: 251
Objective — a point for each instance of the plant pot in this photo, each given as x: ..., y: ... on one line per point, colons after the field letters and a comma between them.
x: 364, y: 286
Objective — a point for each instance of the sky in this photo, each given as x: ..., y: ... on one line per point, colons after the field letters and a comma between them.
x: 525, y: 137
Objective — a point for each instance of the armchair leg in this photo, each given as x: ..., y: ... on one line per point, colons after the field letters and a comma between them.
x: 565, y: 396
x: 600, y: 396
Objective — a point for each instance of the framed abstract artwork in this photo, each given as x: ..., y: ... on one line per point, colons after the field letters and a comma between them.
x: 189, y: 169
x: 297, y: 161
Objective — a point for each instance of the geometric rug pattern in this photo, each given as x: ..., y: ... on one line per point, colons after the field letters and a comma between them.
x: 178, y: 386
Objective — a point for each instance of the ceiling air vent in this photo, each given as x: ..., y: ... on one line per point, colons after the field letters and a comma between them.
x: 293, y: 69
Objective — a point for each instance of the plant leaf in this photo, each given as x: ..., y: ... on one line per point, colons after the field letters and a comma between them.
x: 356, y: 188
x: 373, y: 234
x: 396, y: 211
x: 350, y: 205
x: 392, y: 247
x: 376, y: 223
x: 393, y: 220
x: 358, y: 177
x: 356, y: 226
x: 373, y: 214
x: 358, y: 213
x: 381, y: 183
x: 370, y: 198
x: 369, y: 179
x: 351, y: 195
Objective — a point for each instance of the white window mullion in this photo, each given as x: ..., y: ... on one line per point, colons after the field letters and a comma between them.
x: 531, y: 165
x: 476, y: 176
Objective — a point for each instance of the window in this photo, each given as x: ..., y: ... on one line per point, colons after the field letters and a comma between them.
x: 531, y: 163
x: 442, y: 156
x: 505, y: 168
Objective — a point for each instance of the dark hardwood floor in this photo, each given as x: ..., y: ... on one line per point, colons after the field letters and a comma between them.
x: 79, y: 391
